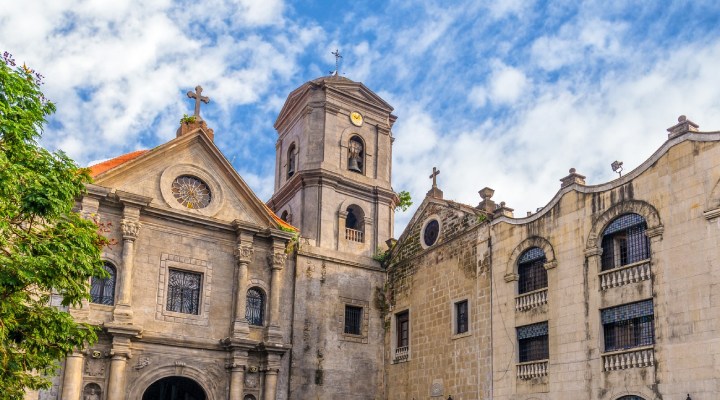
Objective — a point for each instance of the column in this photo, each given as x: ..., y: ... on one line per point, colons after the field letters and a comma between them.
x: 237, y: 374
x: 116, y: 382
x: 243, y: 255
x: 72, y: 380
x: 118, y: 364
x: 123, y: 310
x: 277, y: 263
x: 270, y: 384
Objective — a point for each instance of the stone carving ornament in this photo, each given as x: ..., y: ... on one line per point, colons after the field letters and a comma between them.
x: 244, y: 253
x: 277, y: 260
x: 251, y: 380
x: 95, y: 367
x: 130, y: 228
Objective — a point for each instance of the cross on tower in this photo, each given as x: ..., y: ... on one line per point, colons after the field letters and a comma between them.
x: 337, y: 55
x: 197, y: 95
x: 434, y: 175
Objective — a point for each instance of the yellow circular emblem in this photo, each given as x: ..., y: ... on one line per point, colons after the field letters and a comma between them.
x: 356, y: 118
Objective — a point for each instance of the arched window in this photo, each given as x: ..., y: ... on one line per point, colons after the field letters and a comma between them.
x: 356, y: 155
x: 102, y: 290
x: 531, y: 270
x: 624, y: 242
x: 355, y: 224
x: 255, y: 307
x: 284, y: 216
x: 291, y: 161
x: 630, y: 398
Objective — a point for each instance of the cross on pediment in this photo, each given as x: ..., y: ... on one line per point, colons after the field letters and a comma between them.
x: 434, y: 175
x: 197, y: 95
x: 337, y: 55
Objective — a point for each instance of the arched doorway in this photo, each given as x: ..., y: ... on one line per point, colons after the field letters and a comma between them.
x: 174, y: 388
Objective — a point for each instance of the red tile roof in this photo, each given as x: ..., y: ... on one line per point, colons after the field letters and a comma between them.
x: 104, y: 166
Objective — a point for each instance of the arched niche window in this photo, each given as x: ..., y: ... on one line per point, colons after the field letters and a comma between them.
x: 632, y: 397
x: 255, y: 306
x: 531, y: 270
x: 102, y: 290
x: 356, y: 155
x: 355, y: 224
x: 284, y: 216
x: 291, y: 158
x: 624, y: 242
x: 92, y: 391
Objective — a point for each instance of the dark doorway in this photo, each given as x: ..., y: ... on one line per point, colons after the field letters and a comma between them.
x: 174, y: 388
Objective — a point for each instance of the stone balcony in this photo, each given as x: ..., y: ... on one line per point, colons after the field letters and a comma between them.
x: 402, y: 354
x: 624, y: 275
x: 532, y: 369
x: 529, y: 300
x: 354, y: 235
x: 638, y: 357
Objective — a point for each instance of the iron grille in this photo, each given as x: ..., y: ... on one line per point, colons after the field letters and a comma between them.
x: 628, y: 326
x: 255, y: 307
x: 531, y: 271
x: 461, y: 317
x: 403, y: 329
x: 624, y: 242
x: 183, y: 292
x: 630, y: 398
x: 533, y: 342
x: 102, y: 290
x: 353, y: 320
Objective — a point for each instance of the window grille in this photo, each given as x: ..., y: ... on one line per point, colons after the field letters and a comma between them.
x: 255, y: 307
x: 630, y: 398
x: 183, y: 292
x: 102, y: 290
x: 353, y: 320
x: 531, y: 271
x: 461, y: 317
x: 624, y: 242
x: 403, y: 329
x: 533, y: 342
x: 628, y: 326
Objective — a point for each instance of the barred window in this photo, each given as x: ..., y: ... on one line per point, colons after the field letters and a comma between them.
x: 183, y: 294
x: 353, y: 320
x: 629, y: 325
x: 102, y: 290
x: 403, y: 329
x: 630, y: 398
x: 255, y: 307
x: 531, y: 271
x: 533, y: 342
x: 461, y: 317
x: 624, y: 242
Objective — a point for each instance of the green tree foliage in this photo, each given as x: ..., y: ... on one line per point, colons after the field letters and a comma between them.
x: 44, y: 245
x: 405, y: 200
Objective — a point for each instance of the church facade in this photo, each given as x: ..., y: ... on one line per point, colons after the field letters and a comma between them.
x: 607, y: 292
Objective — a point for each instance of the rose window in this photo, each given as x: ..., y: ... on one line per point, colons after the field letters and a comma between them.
x: 191, y: 192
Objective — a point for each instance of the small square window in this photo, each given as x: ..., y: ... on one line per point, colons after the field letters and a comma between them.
x: 461, y: 317
x: 353, y: 320
x: 183, y: 292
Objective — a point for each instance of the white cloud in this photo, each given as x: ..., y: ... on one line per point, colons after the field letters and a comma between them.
x: 507, y: 84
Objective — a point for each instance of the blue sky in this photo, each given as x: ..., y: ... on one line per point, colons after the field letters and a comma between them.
x: 506, y: 94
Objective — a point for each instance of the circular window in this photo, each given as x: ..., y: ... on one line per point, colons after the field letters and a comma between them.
x: 431, y: 232
x: 191, y: 192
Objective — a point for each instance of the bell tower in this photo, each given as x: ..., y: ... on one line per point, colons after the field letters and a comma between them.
x: 333, y: 165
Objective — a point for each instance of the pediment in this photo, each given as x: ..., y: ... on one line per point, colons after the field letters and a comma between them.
x: 153, y: 173
x: 452, y: 219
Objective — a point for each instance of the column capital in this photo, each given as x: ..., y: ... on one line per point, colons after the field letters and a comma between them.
x: 130, y: 228
x: 277, y: 260
x: 244, y: 253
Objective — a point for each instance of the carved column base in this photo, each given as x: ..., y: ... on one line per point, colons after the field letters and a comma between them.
x: 123, y: 314
x: 240, y: 329
x: 273, y: 334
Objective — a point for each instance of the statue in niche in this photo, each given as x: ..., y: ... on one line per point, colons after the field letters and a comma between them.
x: 92, y: 392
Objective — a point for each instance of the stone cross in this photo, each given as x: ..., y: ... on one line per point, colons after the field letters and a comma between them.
x: 337, y: 55
x: 434, y: 175
x: 197, y: 95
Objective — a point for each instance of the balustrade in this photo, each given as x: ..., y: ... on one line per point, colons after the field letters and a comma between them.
x: 624, y: 275
x: 532, y: 299
x: 532, y: 369
x: 629, y: 358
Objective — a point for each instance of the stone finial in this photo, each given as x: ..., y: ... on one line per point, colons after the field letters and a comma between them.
x: 683, y: 126
x: 434, y: 191
x: 486, y: 204
x: 572, y: 178
x: 503, y: 211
